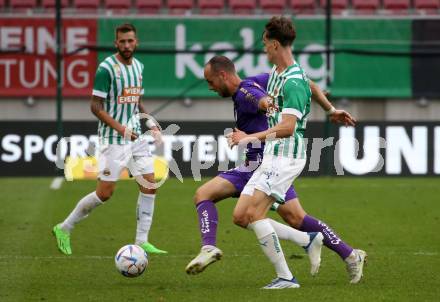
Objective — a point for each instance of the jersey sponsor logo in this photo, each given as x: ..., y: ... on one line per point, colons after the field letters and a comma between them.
x: 132, y: 91
x: 130, y: 99
x: 250, y: 97
x: 130, y: 95
x: 106, y: 172
x: 247, y: 95
x: 244, y: 90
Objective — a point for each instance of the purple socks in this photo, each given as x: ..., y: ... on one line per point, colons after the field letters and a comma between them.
x: 331, y: 239
x: 208, y: 220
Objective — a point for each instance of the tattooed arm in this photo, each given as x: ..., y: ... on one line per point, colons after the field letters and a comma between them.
x: 97, y: 108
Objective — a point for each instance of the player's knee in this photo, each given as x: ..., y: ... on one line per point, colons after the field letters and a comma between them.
x: 292, y: 218
x: 240, y: 219
x: 104, y: 195
x: 147, y: 185
x: 298, y: 220
x: 148, y: 191
x: 294, y: 221
x: 200, y: 196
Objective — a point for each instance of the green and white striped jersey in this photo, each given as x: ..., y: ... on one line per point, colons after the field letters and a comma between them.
x: 120, y: 86
x: 290, y: 93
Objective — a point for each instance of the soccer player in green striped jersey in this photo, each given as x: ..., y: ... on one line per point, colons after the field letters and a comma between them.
x: 284, y: 152
x: 116, y: 102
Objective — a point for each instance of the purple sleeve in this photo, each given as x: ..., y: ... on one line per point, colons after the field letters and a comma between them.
x: 249, y: 97
x: 262, y: 80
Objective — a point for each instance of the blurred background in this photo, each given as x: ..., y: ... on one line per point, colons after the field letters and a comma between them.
x: 378, y: 59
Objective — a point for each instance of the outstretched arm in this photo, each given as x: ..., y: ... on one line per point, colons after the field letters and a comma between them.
x: 336, y: 116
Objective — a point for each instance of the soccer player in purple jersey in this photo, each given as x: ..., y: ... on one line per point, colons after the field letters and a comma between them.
x: 249, y: 107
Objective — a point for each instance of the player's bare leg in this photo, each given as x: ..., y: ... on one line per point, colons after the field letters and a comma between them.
x: 104, y: 190
x: 145, y: 211
x: 214, y: 190
x: 293, y: 213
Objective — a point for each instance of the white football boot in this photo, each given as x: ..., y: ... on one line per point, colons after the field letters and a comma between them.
x: 355, y: 265
x: 207, y: 256
x: 313, y: 250
x: 280, y: 283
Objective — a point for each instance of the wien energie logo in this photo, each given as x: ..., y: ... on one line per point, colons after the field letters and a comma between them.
x: 130, y: 95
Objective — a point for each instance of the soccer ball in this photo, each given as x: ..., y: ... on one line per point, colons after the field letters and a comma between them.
x: 131, y: 260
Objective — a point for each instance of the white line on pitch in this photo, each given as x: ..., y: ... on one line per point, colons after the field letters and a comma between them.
x: 426, y: 254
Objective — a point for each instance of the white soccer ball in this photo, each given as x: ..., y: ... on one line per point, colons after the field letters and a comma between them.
x: 131, y: 260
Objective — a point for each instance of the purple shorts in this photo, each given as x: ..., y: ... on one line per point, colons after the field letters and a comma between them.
x: 240, y: 178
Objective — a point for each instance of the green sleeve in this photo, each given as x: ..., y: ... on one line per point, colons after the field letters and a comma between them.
x: 296, y: 97
x: 101, y: 86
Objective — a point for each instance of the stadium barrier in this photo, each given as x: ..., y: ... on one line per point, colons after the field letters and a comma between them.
x: 198, y: 149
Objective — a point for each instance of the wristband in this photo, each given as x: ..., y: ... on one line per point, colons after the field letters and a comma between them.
x: 150, y: 124
x: 330, y: 111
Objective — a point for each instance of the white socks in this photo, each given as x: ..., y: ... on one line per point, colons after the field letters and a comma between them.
x: 82, y: 209
x: 270, y: 245
x: 145, y: 210
x: 285, y: 232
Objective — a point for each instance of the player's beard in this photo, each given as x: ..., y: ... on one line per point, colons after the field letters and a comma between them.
x: 126, y: 54
x: 224, y: 92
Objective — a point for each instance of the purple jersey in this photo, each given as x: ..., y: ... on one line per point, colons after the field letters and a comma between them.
x: 261, y: 80
x: 248, y: 118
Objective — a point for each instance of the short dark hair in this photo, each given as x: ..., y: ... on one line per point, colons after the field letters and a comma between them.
x: 280, y: 29
x: 221, y: 63
x: 125, y: 28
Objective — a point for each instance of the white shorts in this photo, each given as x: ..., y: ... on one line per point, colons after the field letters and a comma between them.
x: 274, y: 176
x: 135, y: 156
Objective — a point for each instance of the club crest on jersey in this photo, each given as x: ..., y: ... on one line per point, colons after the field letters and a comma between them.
x: 117, y: 70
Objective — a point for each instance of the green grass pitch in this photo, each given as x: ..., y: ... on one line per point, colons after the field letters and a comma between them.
x: 396, y: 220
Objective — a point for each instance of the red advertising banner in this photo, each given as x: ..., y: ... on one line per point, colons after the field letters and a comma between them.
x: 33, y: 72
